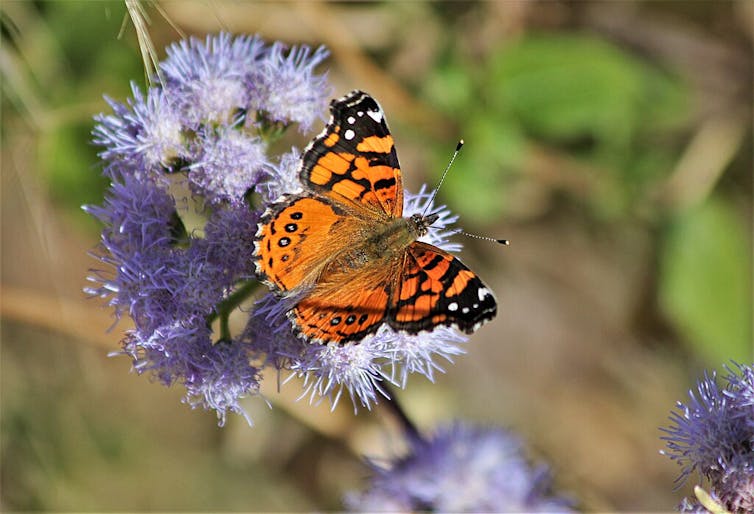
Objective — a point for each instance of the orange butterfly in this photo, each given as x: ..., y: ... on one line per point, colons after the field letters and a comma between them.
x: 344, y: 253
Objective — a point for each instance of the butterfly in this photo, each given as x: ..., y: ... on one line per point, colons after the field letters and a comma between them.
x: 343, y: 253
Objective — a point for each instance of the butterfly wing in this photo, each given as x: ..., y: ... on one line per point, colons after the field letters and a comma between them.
x: 295, y: 238
x: 341, y: 309
x: 353, y: 160
x: 438, y: 289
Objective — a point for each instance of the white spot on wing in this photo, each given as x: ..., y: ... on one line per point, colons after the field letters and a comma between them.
x: 375, y: 115
x: 453, y: 306
x: 351, y: 120
x: 465, y: 310
x: 349, y: 134
x: 483, y: 293
x: 360, y: 114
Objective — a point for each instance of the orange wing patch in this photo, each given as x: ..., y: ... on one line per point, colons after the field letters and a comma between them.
x: 377, y: 144
x: 290, y: 240
x: 341, y: 309
x: 437, y: 289
x: 335, y: 318
x: 354, y: 160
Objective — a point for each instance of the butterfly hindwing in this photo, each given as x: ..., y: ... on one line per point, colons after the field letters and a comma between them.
x: 436, y: 288
x: 341, y: 309
x: 354, y: 160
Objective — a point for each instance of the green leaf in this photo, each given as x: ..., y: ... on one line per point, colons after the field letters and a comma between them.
x: 705, y: 281
x: 575, y: 88
x: 476, y: 186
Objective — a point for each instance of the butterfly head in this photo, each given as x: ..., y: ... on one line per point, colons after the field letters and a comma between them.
x: 422, y: 223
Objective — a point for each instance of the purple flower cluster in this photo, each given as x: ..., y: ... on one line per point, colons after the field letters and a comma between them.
x: 460, y: 469
x: 179, y: 228
x: 714, y: 435
x: 189, y: 149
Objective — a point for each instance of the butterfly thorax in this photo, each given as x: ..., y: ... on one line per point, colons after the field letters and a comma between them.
x: 383, y: 242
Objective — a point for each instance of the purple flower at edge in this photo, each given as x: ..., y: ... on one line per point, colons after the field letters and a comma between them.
x: 714, y: 435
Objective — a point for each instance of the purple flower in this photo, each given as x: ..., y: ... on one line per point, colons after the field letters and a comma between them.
x: 283, y: 177
x: 714, y: 435
x: 215, y: 376
x: 136, y: 243
x: 285, y: 88
x: 170, y: 291
x: 459, y: 469
x: 207, y: 79
x: 229, y: 241
x: 183, y: 154
x: 228, y: 163
x: 146, y: 133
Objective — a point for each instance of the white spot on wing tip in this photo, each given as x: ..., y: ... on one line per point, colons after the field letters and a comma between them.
x: 453, y: 306
x: 351, y: 120
x: 483, y: 293
x: 349, y: 134
x: 375, y: 115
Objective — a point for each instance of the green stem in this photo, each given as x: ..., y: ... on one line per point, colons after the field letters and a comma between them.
x: 227, y: 306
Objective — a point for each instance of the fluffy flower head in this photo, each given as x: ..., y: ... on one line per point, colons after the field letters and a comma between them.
x: 714, y: 435
x: 459, y: 469
x: 183, y: 152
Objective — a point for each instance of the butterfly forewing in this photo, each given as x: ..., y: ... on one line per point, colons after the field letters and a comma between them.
x: 354, y: 158
x: 293, y: 238
x: 436, y: 288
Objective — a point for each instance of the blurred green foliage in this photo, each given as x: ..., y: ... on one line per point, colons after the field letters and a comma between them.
x: 573, y: 93
x: 705, y: 280
x: 68, y: 70
x: 589, y: 102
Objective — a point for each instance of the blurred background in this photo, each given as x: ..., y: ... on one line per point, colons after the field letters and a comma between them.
x: 611, y: 142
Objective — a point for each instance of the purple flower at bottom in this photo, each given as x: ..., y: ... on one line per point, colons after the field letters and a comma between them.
x: 714, y: 435
x: 459, y: 469
x: 215, y: 376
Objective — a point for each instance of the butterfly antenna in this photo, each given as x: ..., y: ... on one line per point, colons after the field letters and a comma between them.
x: 442, y: 179
x: 485, y: 238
